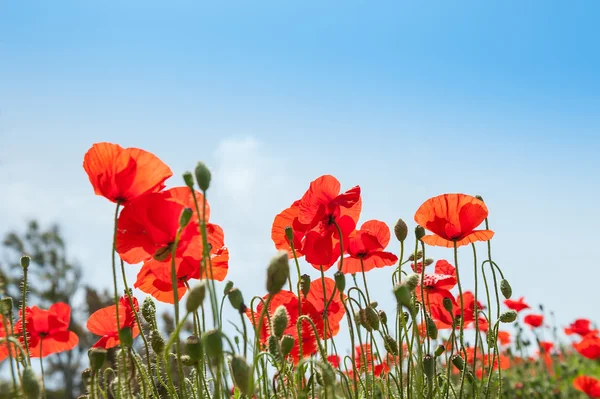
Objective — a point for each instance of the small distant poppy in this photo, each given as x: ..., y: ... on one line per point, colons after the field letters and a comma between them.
x: 103, y: 322
x: 589, y: 347
x: 516, y: 305
x: 366, y: 248
x: 581, y: 327
x: 534, y: 320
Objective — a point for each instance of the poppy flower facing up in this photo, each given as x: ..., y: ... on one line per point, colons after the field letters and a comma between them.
x: 48, y: 330
x: 534, y: 320
x: 588, y: 385
x: 589, y: 347
x: 581, y: 327
x: 103, y: 322
x: 453, y: 218
x: 123, y: 174
x: 366, y: 248
x: 516, y: 305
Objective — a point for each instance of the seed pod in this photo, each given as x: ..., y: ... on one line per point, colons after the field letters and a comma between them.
x: 193, y: 347
x: 340, y: 281
x: 432, y: 330
x: 25, y: 261
x: 305, y: 284
x: 97, y: 357
x: 412, y: 281
x: 419, y: 232
x: 86, y: 374
x: 508, y: 317
x: 188, y: 178
x: 289, y: 234
x: 126, y: 337
x: 185, y: 217
x: 149, y: 310
x: 428, y: 261
x: 157, y: 342
x: 372, y: 319
x: 277, y: 272
x: 240, y: 373
x: 195, y: 297
x: 383, y: 317
x: 401, y: 230
x: 429, y: 366
x: 458, y: 362
x: 237, y: 300
x: 212, y: 343
x: 280, y: 321
x: 506, y: 289
x: 286, y: 344
x: 203, y: 176
x: 390, y: 345
x: 439, y: 350
x: 30, y: 384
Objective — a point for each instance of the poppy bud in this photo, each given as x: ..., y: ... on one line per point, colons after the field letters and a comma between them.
x: 447, y: 302
x: 428, y: 261
x: 439, y: 350
x: 305, y: 284
x: 228, y: 287
x: 383, y: 317
x: 25, y: 261
x: 186, y: 216
x: 30, y: 384
x: 412, y: 281
x: 125, y: 337
x: 86, y: 374
x: 286, y: 344
x: 149, y: 310
x: 187, y: 361
x: 83, y: 397
x: 273, y: 346
x: 401, y: 230
x: 277, y: 272
x: 429, y: 366
x: 97, y: 357
x: 432, y: 330
x: 193, y: 347
x: 328, y: 375
x: 240, y: 373
x: 403, y: 295
x: 7, y: 306
x: 419, y: 232
x: 280, y: 321
x: 372, y: 319
x: 374, y: 304
x: 236, y: 299
x: 505, y: 288
x: 411, y: 257
x: 188, y: 178
x: 202, y: 176
x: 195, y: 297
x: 390, y: 345
x: 340, y: 281
x: 212, y: 342
x: 458, y: 362
x: 508, y: 317
x: 479, y: 197
x: 289, y: 234
x: 157, y: 342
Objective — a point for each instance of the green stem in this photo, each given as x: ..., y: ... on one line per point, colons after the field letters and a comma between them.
x: 10, y: 356
x: 42, y: 368
x: 174, y: 285
x: 24, y: 315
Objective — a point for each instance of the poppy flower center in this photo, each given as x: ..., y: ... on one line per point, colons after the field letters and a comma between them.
x: 163, y: 253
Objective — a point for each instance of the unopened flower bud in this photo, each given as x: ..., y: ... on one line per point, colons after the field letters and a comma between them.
x: 401, y: 230
x: 237, y: 300
x: 429, y: 366
x: 383, y: 317
x: 157, y: 342
x: 25, y: 261
x: 30, y: 384
x: 97, y: 357
x: 286, y: 344
x: 327, y: 375
x: 185, y: 217
x: 289, y: 234
x: 188, y: 178
x: 7, y: 306
x: 428, y: 261
x: 374, y: 304
x: 305, y: 284
x: 412, y: 281
x: 505, y: 288
x: 273, y: 346
x: 390, y: 345
x: 193, y: 347
x: 508, y: 317
x: 340, y: 281
x: 86, y: 374
x: 447, y: 302
x: 195, y: 297
x: 439, y: 350
x: 228, y: 287
x: 403, y: 295
x: 187, y: 361
x: 280, y: 321
x: 432, y: 330
x: 419, y: 232
x: 240, y: 373
x: 458, y: 362
x: 372, y: 319
x: 212, y: 343
x: 149, y: 310
x: 203, y: 176
x: 278, y: 272
x: 411, y: 257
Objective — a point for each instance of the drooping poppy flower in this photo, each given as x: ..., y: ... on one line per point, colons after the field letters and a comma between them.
x: 453, y: 218
x: 534, y: 320
x: 589, y: 347
x: 588, y: 385
x: 516, y: 305
x: 48, y: 330
x: 103, y: 322
x: 321, y: 290
x: 123, y: 174
x: 366, y: 248
x: 295, y: 308
x: 581, y: 327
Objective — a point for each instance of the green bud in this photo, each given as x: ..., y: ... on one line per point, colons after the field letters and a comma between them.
x: 374, y: 304
x: 447, y: 302
x: 193, y: 347
x: 25, y: 261
x: 196, y: 297
x: 212, y: 342
x: 440, y: 350
x: 97, y: 357
x: 428, y: 261
x: 86, y: 374
x: 383, y: 317
x: 289, y: 234
x: 340, y: 281
x: 237, y: 300
x: 149, y: 310
x: 305, y: 284
x: 286, y: 344
x: 185, y: 217
x: 203, y: 176
x: 7, y: 306
x: 403, y: 295
x: 432, y: 330
x: 401, y: 230
x: 273, y: 346
x: 419, y: 232
x: 126, y: 337
x: 412, y: 281
x: 280, y: 321
x: 188, y: 178
x: 30, y: 384
x: 508, y: 317
x: 157, y: 342
x: 278, y: 272
x: 458, y: 362
x: 411, y: 257
x: 228, y: 287
x: 390, y: 345
x: 240, y: 373
x: 506, y: 289
x: 327, y: 375
x: 187, y: 361
x: 429, y: 366
x: 372, y: 319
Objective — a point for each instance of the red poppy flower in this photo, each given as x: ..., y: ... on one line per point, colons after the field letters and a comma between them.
x: 334, y: 361
x: 438, y: 312
x: 123, y: 174
x: 366, y: 360
x: 288, y: 218
x: 589, y: 347
x: 103, y: 322
x: 546, y: 346
x: 581, y: 327
x: 48, y: 330
x: 437, y: 285
x: 504, y: 337
x: 321, y: 290
x: 588, y: 385
x: 517, y: 305
x: 453, y: 218
x: 534, y: 320
x: 290, y: 301
x: 4, y: 347
x: 366, y: 248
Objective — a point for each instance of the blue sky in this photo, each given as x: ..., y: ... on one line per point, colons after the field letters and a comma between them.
x: 407, y: 100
